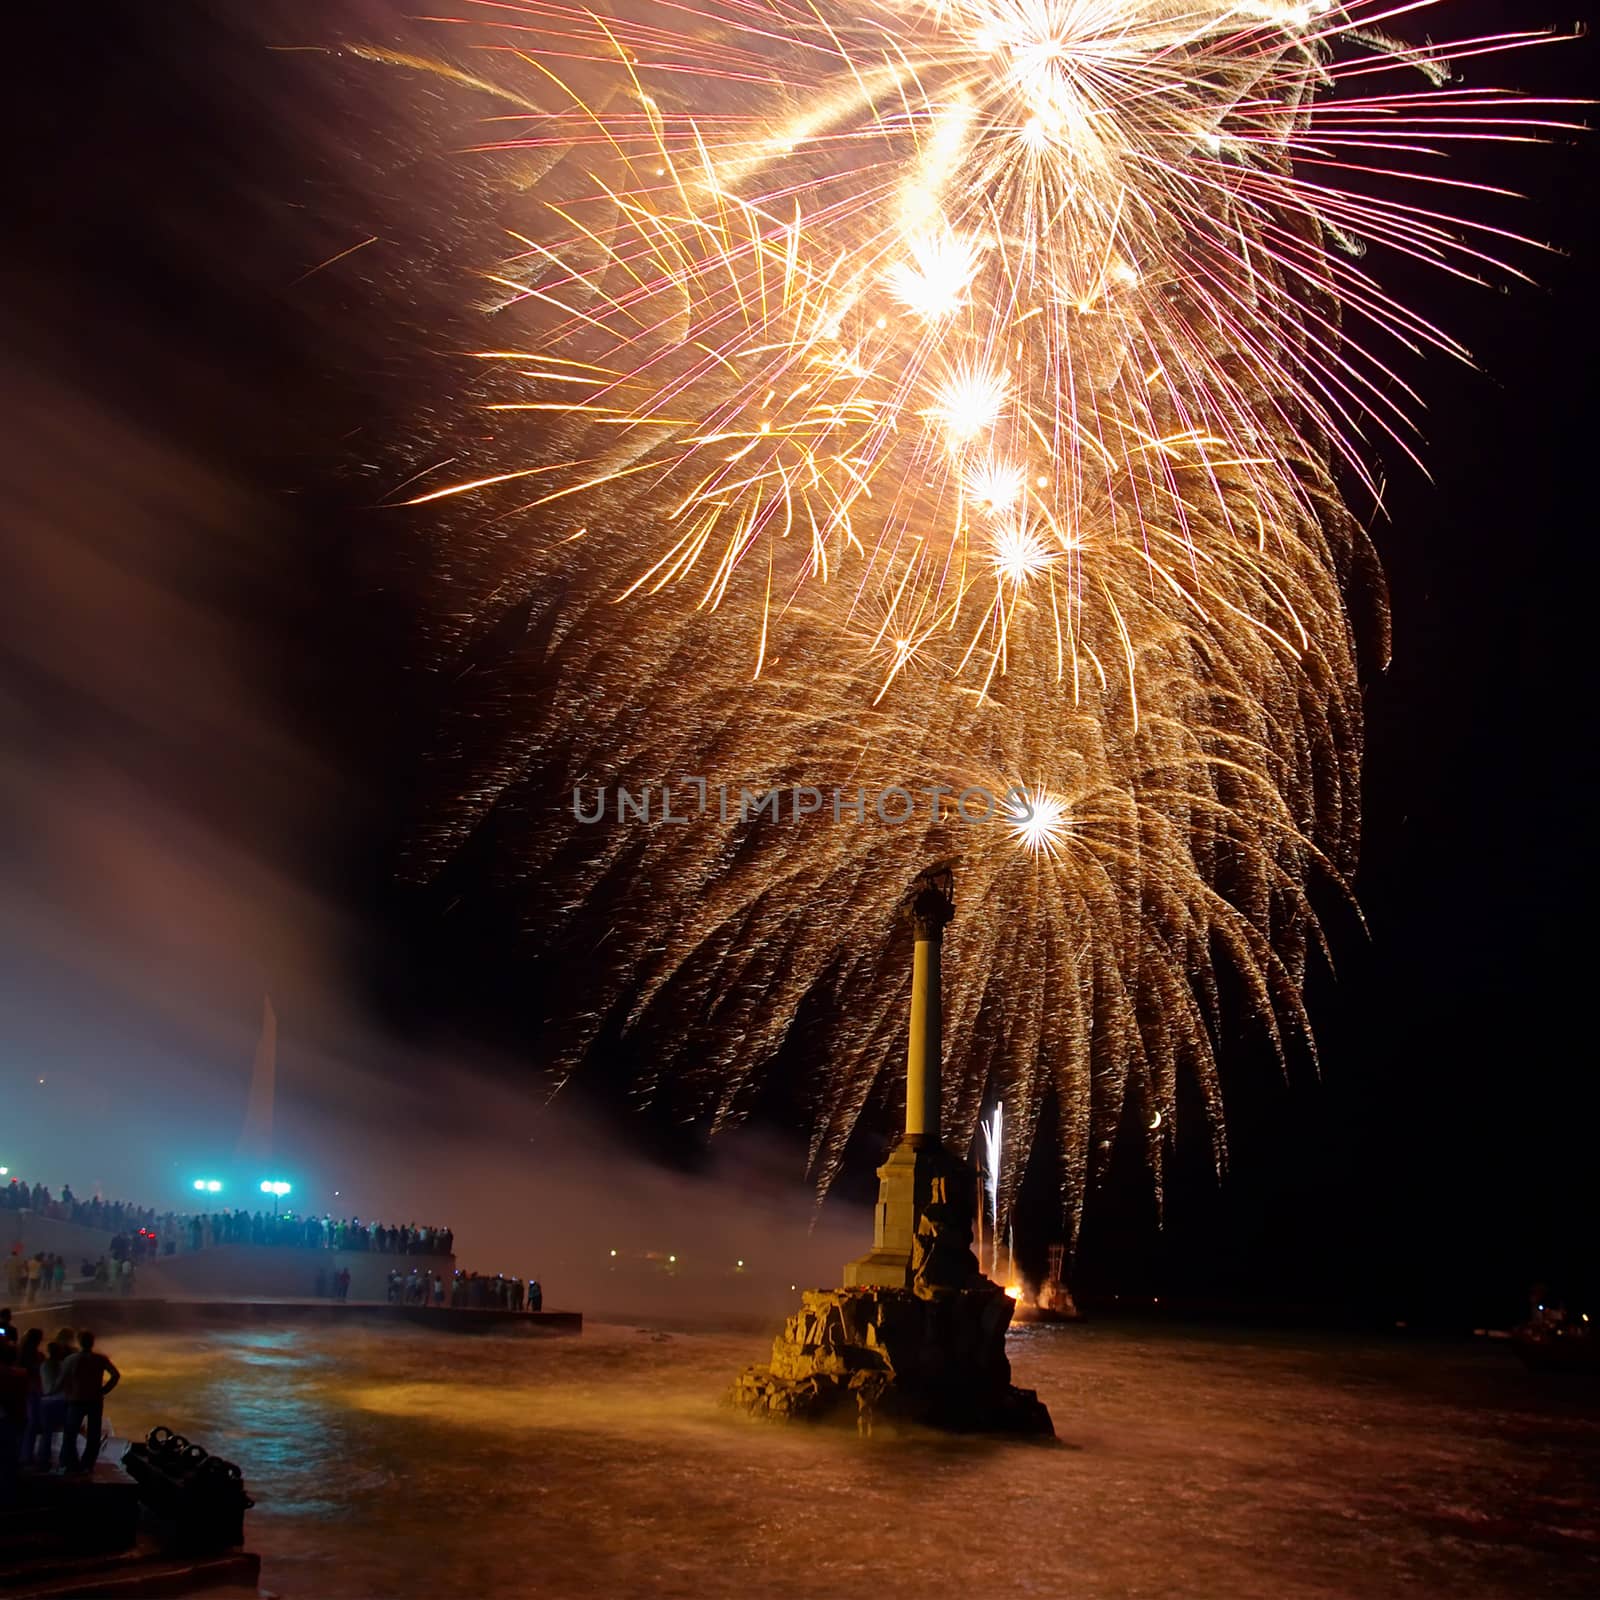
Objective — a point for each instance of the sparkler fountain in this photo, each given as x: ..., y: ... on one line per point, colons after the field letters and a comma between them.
x: 993, y: 1148
x: 917, y: 1332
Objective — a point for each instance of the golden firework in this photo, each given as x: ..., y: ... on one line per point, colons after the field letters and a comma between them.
x: 953, y: 391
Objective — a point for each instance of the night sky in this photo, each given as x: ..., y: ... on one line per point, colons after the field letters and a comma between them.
x: 215, y: 711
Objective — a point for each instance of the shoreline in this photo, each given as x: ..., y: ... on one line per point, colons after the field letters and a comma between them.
x: 136, y: 1314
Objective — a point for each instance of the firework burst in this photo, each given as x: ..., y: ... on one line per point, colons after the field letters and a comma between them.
x: 951, y: 393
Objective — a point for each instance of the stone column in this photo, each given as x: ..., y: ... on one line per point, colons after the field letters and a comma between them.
x: 919, y: 1175
x: 930, y: 909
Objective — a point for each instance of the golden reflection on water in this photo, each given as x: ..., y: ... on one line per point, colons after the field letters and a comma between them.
x: 390, y: 1462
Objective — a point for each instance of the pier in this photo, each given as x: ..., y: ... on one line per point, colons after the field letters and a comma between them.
x: 84, y: 1539
x: 139, y: 1314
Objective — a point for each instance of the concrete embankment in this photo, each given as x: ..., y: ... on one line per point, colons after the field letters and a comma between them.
x: 142, y: 1313
x: 85, y: 1538
x: 225, y: 1271
x: 278, y: 1272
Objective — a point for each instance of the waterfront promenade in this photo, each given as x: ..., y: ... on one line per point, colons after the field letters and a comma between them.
x: 146, y: 1313
x: 228, y: 1282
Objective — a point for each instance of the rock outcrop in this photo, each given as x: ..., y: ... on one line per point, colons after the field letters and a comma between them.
x: 876, y: 1354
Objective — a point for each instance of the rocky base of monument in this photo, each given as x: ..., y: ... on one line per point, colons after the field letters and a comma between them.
x: 877, y: 1355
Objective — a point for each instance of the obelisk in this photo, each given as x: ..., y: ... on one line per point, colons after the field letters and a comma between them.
x: 255, y: 1136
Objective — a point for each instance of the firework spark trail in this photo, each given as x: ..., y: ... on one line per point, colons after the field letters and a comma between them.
x: 953, y: 391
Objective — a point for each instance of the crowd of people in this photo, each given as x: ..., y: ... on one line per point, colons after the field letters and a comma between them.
x: 422, y: 1287
x: 474, y: 1289
x: 113, y: 1216
x: 50, y: 1387
x: 30, y: 1279
x: 141, y: 1233
x: 315, y: 1233
x: 497, y: 1293
x: 41, y: 1277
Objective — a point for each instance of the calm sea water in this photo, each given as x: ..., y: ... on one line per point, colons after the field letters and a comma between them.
x: 1191, y: 1464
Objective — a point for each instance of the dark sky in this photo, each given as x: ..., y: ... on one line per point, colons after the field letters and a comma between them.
x: 212, y: 709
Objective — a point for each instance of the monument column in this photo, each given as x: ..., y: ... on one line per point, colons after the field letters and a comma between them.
x: 922, y: 1189
x: 917, y: 1332
x: 930, y: 909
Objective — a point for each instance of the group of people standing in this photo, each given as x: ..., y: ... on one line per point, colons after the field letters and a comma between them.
x: 30, y: 1279
x: 497, y: 1293
x: 142, y: 1233
x: 424, y: 1288
x: 46, y: 1388
x: 312, y: 1233
x: 33, y: 1280
x: 110, y: 1216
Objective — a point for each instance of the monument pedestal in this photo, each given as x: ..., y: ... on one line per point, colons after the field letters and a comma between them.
x: 875, y: 1355
x: 920, y: 1180
x: 917, y: 1334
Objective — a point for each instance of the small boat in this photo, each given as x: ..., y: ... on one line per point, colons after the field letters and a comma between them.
x: 1052, y: 1301
x: 1037, y: 1311
x: 1552, y: 1342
